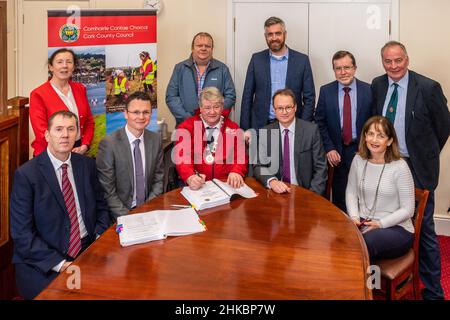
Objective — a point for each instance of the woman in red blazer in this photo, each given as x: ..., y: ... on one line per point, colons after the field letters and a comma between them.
x: 60, y: 93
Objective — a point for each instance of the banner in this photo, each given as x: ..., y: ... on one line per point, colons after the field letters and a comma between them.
x: 116, y: 53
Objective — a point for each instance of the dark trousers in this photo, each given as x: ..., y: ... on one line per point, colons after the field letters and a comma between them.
x: 429, y: 250
x: 340, y: 176
x: 31, y: 281
x: 388, y: 243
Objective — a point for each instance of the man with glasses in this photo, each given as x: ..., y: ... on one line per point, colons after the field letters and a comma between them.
x: 344, y: 106
x: 272, y: 69
x: 130, y: 161
x: 209, y: 145
x: 199, y: 71
x: 290, y: 150
x: 418, y: 109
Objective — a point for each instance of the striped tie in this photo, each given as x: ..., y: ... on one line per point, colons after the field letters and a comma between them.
x: 69, y: 199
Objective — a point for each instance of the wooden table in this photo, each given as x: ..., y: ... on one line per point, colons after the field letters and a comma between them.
x: 289, y: 246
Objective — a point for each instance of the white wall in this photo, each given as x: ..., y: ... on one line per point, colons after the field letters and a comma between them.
x: 425, y: 33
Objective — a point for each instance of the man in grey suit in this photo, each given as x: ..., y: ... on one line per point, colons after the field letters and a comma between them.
x: 130, y: 161
x: 290, y: 150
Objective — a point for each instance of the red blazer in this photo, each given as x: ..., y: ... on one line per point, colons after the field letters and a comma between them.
x: 44, y: 101
x: 230, y: 155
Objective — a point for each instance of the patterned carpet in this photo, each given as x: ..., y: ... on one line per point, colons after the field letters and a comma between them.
x: 445, y: 263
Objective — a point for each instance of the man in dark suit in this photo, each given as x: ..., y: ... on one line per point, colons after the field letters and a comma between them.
x: 57, y: 208
x: 130, y: 161
x: 290, y: 150
x: 272, y: 69
x: 344, y: 106
x: 418, y: 108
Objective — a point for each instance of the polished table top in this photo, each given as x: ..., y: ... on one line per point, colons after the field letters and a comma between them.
x: 288, y: 246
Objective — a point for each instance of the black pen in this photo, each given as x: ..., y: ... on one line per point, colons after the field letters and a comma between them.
x: 196, y: 172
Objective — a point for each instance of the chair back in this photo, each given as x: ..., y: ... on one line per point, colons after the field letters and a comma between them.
x: 421, y: 196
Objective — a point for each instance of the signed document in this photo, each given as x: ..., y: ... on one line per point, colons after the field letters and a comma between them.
x: 215, y: 193
x: 157, y: 225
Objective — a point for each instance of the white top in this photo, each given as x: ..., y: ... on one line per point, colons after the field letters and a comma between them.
x: 70, y: 103
x: 57, y: 166
x: 131, y: 139
x: 395, y: 201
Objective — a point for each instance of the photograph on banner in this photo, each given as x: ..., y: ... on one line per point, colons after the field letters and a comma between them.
x: 129, y: 68
x: 116, y: 53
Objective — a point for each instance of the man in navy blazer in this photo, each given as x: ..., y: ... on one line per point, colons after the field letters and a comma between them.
x: 421, y: 119
x: 40, y: 225
x: 272, y: 69
x: 333, y: 115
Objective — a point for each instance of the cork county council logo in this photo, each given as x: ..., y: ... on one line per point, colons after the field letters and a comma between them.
x: 69, y: 33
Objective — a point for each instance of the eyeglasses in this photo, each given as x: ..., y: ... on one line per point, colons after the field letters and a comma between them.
x: 139, y: 113
x: 344, y: 68
x: 282, y: 109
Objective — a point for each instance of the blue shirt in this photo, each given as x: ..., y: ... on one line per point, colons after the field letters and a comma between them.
x: 200, y: 78
x: 353, y: 102
x: 278, y: 71
x: 399, y: 122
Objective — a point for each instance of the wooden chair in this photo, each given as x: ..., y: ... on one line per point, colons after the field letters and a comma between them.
x: 400, y: 276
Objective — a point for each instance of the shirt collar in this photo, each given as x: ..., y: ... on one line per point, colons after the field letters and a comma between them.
x: 56, y: 162
x: 59, y: 92
x: 131, y: 136
x: 402, y: 83
x: 195, y: 64
x: 207, y: 125
x: 291, y: 127
x: 279, y: 58
x: 351, y: 85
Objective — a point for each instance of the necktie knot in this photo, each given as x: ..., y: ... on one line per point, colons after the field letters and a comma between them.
x: 395, y: 84
x: 286, y: 131
x: 136, y: 142
x: 347, y: 89
x: 64, y: 167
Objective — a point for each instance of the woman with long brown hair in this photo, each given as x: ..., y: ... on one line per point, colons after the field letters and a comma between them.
x: 380, y: 192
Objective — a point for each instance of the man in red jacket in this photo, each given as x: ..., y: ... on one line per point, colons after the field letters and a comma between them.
x: 209, y: 145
